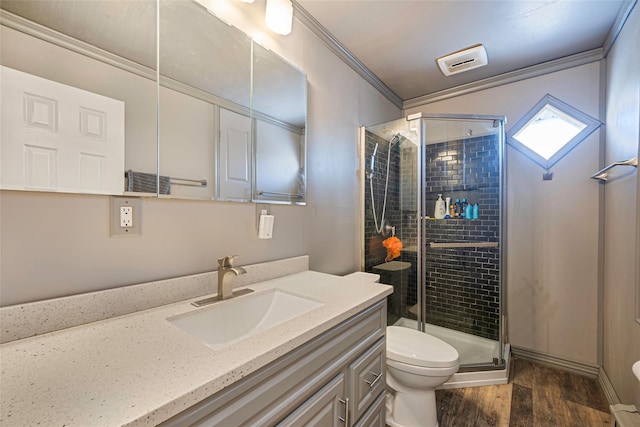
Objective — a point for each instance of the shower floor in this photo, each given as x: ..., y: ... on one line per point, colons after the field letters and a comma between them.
x: 472, y: 350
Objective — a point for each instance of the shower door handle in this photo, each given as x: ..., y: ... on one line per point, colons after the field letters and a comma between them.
x: 451, y: 245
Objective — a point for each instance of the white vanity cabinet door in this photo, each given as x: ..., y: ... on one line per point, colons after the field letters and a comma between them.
x: 325, y: 408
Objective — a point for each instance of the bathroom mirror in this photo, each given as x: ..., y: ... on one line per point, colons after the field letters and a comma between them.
x: 205, y: 66
x: 195, y: 126
x: 85, y: 71
x: 279, y: 112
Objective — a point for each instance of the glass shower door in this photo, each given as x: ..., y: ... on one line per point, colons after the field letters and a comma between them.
x: 459, y: 273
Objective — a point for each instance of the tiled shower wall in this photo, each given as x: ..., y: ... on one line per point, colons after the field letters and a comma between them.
x: 375, y: 252
x: 463, y: 284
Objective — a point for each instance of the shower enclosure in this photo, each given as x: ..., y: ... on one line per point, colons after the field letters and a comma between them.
x: 447, y: 277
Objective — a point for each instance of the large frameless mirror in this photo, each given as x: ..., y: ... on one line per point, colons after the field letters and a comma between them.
x: 79, y: 94
x: 279, y: 110
x: 205, y: 74
x: 90, y: 68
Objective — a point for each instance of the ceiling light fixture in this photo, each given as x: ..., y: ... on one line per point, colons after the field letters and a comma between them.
x: 246, y: 1
x: 279, y: 16
x: 463, y: 60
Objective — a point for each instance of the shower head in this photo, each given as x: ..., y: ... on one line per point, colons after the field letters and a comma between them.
x: 395, y: 139
x: 369, y: 171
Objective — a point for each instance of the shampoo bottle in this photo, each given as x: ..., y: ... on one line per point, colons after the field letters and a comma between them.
x: 468, y: 212
x: 440, y: 210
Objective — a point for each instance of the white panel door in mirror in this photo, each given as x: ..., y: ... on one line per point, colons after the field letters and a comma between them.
x: 56, y: 137
x: 235, y: 156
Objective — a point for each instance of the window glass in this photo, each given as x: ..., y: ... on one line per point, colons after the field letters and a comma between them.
x: 550, y: 130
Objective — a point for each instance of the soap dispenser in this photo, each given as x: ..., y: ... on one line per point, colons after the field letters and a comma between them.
x: 440, y: 210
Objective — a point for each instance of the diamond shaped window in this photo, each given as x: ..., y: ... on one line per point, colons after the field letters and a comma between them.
x: 550, y: 130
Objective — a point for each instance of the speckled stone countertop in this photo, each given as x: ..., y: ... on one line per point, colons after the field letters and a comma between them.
x: 139, y: 369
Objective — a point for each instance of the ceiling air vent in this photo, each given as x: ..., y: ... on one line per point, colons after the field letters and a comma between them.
x: 463, y: 60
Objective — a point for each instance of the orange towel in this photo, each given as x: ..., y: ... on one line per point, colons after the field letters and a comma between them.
x: 393, y: 245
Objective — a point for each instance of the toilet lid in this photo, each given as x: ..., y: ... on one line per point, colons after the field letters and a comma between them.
x: 418, y: 348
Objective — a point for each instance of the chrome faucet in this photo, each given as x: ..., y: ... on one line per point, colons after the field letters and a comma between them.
x: 226, y: 273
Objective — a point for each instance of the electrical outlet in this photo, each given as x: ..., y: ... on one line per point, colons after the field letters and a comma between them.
x: 126, y: 216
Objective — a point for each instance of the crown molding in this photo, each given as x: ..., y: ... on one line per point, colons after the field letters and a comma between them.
x: 41, y: 32
x: 617, y: 26
x: 525, y: 73
x: 343, y: 53
x: 510, y: 77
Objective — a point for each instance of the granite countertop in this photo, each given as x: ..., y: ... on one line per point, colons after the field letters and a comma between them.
x: 139, y: 369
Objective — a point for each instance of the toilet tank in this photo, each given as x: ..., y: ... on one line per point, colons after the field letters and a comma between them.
x: 362, y: 276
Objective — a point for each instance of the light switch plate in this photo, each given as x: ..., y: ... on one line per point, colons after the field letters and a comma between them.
x: 125, y: 216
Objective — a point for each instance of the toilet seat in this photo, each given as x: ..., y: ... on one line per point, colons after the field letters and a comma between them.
x: 422, y: 370
x: 412, y: 347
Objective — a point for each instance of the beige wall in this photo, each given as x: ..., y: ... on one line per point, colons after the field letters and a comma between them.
x: 552, y: 226
x: 58, y: 244
x: 621, y: 332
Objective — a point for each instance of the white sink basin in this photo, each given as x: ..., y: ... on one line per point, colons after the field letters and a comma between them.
x: 227, y: 322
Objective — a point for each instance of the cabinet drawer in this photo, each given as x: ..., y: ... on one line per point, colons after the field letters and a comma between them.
x: 367, y: 378
x: 375, y: 416
x: 323, y: 409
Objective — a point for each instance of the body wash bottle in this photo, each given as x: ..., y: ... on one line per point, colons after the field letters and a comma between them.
x: 440, y: 210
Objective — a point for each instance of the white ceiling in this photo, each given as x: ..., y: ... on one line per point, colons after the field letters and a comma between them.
x: 399, y: 41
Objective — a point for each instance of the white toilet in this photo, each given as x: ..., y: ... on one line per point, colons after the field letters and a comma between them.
x: 417, y: 363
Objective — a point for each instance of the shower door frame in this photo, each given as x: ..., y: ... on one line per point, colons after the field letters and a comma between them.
x: 422, y: 216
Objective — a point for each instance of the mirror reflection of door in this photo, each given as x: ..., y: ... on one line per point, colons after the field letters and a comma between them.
x: 109, y: 48
x: 234, y: 167
x: 59, y: 138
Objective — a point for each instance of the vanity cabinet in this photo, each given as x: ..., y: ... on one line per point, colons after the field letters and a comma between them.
x: 335, y: 379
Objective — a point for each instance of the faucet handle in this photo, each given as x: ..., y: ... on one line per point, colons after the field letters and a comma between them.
x: 227, y: 262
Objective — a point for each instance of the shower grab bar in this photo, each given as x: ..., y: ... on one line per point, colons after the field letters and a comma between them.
x: 464, y: 245
x: 271, y: 193
x: 602, y: 174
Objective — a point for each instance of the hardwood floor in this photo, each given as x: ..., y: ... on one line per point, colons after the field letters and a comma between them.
x: 536, y: 396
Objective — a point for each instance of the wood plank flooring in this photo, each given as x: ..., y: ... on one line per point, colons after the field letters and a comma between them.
x: 536, y: 396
